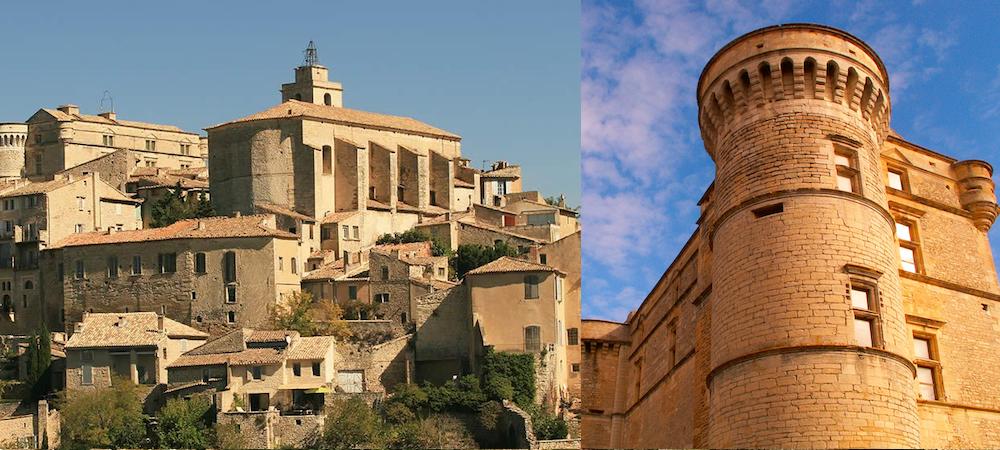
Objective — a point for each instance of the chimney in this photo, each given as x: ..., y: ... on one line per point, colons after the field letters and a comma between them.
x: 70, y: 109
x: 110, y: 115
x: 159, y: 322
x: 237, y: 214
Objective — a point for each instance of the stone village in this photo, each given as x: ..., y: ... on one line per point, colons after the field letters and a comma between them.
x: 300, y: 195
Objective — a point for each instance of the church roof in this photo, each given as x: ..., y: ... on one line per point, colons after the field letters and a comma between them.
x: 303, y: 110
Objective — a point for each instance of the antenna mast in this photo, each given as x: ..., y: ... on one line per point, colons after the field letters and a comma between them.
x: 111, y: 102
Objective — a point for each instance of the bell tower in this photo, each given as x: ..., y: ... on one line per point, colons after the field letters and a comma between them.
x: 311, y: 83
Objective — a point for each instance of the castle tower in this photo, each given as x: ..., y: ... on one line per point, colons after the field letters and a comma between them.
x: 809, y: 342
x: 311, y: 84
x: 13, y: 136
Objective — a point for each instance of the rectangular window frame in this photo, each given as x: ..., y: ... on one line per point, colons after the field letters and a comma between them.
x: 912, y: 244
x: 531, y: 284
x: 872, y: 315
x: 933, y: 363
x: 904, y: 182
x: 849, y: 171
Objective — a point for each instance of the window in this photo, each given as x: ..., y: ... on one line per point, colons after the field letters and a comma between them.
x: 559, y: 288
x: 281, y: 263
x: 532, y: 338
x: 346, y: 233
x: 352, y: 292
x: 231, y: 316
x: 327, y: 99
x: 928, y: 367
x: 531, y: 287
x: 576, y: 367
x: 848, y: 177
x: 257, y: 372
x: 297, y: 369
x: 542, y: 258
x: 324, y: 233
x: 909, y: 248
x: 356, y: 233
x: 327, y: 160
x: 441, y: 272
x: 229, y: 260
x: 38, y: 163
x: 109, y: 140
x: 867, y: 328
x: 112, y: 267
x: 433, y: 198
x: 382, y: 298
x: 150, y: 146
x: 231, y: 293
x: 167, y: 262
x: 897, y: 179
x: 385, y: 272
x: 185, y: 149
x: 573, y: 336
x: 136, y: 265
x: 199, y: 263
x: 80, y: 272
x: 78, y: 228
x: 315, y: 369
x: 295, y: 266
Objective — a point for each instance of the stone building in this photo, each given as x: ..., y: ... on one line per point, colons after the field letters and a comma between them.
x: 520, y: 306
x: 13, y: 137
x: 839, y: 290
x: 357, y: 174
x: 33, y: 216
x: 136, y: 347
x: 62, y: 138
x: 214, y: 274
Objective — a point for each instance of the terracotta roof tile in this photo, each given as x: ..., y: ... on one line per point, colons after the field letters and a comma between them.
x: 506, y: 172
x: 269, y: 336
x: 462, y: 183
x: 166, y: 180
x: 127, y: 330
x: 59, y: 115
x: 508, y: 264
x: 375, y: 204
x: 209, y: 228
x: 255, y: 356
x: 284, y: 211
x: 414, y: 248
x: 297, y: 109
x: 328, y: 271
x: 313, y: 347
x: 337, y: 217
x: 39, y: 187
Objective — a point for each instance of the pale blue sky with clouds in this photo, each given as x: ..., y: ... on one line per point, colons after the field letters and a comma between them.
x: 504, y: 75
x: 644, y: 165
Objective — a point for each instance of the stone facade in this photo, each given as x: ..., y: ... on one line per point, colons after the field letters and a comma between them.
x: 837, y: 288
x: 13, y: 137
x: 62, y: 138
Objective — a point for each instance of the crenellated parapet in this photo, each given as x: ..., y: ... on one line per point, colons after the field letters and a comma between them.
x: 976, y: 191
x: 13, y: 137
x: 779, y: 67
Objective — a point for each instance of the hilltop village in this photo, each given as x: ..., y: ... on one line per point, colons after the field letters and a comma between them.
x: 276, y: 265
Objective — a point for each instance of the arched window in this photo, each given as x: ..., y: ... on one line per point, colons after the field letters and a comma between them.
x: 327, y: 99
x: 765, y: 81
x: 832, y: 73
x: 787, y: 78
x: 29, y: 285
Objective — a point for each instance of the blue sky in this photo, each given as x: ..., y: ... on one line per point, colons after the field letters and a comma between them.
x: 644, y: 165
x: 504, y: 75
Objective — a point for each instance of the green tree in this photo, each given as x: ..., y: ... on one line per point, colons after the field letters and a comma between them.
x: 351, y: 423
x: 471, y: 256
x: 415, y: 235
x: 183, y: 424
x: 298, y: 312
x: 545, y: 424
x: 517, y: 369
x: 228, y: 437
x: 110, y: 417
x: 175, y: 206
x: 39, y: 358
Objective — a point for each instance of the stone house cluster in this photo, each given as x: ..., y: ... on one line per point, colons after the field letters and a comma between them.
x: 839, y: 290
x: 300, y: 194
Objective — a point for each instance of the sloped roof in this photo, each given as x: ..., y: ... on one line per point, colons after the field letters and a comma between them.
x: 37, y: 187
x: 417, y: 248
x: 327, y: 271
x: 166, y: 180
x: 462, y: 183
x: 211, y: 228
x: 128, y: 330
x: 507, y: 264
x: 231, y: 348
x: 313, y: 347
x: 269, y: 336
x: 513, y: 171
x: 284, y: 211
x: 297, y: 109
x: 337, y: 217
x: 62, y: 117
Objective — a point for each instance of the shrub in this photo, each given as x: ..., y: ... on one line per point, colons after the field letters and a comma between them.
x: 471, y: 256
x: 547, y: 425
x: 398, y: 413
x: 351, y: 423
x: 110, y: 417
x: 461, y: 395
x: 228, y: 437
x: 489, y: 413
x: 183, y: 423
x: 517, y: 368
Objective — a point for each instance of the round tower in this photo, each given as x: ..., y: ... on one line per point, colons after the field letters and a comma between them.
x: 809, y: 341
x: 13, y: 136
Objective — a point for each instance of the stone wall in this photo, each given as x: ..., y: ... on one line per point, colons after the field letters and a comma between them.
x: 385, y: 364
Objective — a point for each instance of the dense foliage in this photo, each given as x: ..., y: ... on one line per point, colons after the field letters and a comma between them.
x: 184, y: 423
x: 39, y: 358
x: 471, y: 256
x: 414, y: 235
x: 175, y: 206
x: 106, y: 418
x: 299, y: 312
x: 350, y: 424
x: 509, y: 376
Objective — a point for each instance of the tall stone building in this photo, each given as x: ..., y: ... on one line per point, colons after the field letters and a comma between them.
x: 839, y: 290
x: 313, y: 157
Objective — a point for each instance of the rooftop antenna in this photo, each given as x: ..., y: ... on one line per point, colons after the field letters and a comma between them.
x: 312, y: 56
x: 106, y: 97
